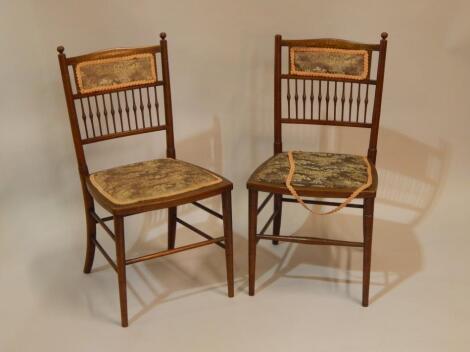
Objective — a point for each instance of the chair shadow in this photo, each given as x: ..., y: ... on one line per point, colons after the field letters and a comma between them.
x: 173, y: 279
x: 410, y: 182
x: 411, y: 174
x: 166, y: 279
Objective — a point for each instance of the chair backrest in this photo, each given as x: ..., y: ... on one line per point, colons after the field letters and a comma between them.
x: 116, y: 93
x: 329, y: 82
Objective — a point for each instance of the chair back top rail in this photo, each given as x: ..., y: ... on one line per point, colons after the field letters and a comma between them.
x: 330, y: 43
x: 111, y: 53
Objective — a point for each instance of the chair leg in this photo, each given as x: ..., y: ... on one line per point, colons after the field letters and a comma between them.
x: 252, y: 226
x: 277, y: 218
x: 368, y: 219
x: 121, y: 267
x: 228, y: 234
x: 171, y: 227
x: 90, y: 244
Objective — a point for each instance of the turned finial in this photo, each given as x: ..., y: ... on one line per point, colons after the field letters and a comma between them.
x: 163, y: 35
x: 60, y: 49
x: 384, y: 35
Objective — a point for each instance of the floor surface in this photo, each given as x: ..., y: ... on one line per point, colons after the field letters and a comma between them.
x: 307, y: 298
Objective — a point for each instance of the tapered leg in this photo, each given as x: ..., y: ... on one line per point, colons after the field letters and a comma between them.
x: 368, y: 219
x: 121, y: 266
x: 90, y: 237
x: 228, y: 234
x: 171, y: 227
x: 277, y: 218
x: 252, y: 221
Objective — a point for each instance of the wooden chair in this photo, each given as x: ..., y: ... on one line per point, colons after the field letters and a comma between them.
x: 117, y: 93
x: 329, y: 82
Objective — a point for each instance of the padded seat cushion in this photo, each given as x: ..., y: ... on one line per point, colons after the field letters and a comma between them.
x: 314, y: 170
x: 150, y: 180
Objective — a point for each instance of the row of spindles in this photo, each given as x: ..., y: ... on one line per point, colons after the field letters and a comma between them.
x: 327, y: 100
x: 133, y: 109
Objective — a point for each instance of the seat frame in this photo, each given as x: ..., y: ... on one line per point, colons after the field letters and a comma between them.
x: 119, y: 212
x: 278, y: 192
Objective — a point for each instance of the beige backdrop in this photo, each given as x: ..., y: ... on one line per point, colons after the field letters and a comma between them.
x: 221, y: 62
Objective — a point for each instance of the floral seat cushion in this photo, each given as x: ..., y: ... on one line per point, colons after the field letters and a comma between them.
x: 314, y: 170
x: 149, y: 180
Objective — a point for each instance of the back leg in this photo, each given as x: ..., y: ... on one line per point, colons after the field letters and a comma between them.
x: 277, y: 218
x: 171, y: 227
x: 90, y: 240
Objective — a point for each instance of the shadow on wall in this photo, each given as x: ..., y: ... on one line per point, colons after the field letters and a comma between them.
x: 411, y: 175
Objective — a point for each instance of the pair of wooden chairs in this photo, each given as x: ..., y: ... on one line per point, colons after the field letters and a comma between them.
x: 120, y: 92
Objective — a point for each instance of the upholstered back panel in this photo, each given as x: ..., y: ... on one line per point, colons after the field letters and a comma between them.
x: 329, y: 63
x: 114, y: 73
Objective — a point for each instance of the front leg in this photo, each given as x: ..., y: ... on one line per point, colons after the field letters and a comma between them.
x: 121, y: 267
x: 368, y: 220
x: 252, y: 225
x: 228, y: 233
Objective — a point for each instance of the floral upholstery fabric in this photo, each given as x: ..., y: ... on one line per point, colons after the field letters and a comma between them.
x: 327, y: 62
x: 104, y: 74
x: 150, y: 180
x: 314, y: 170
